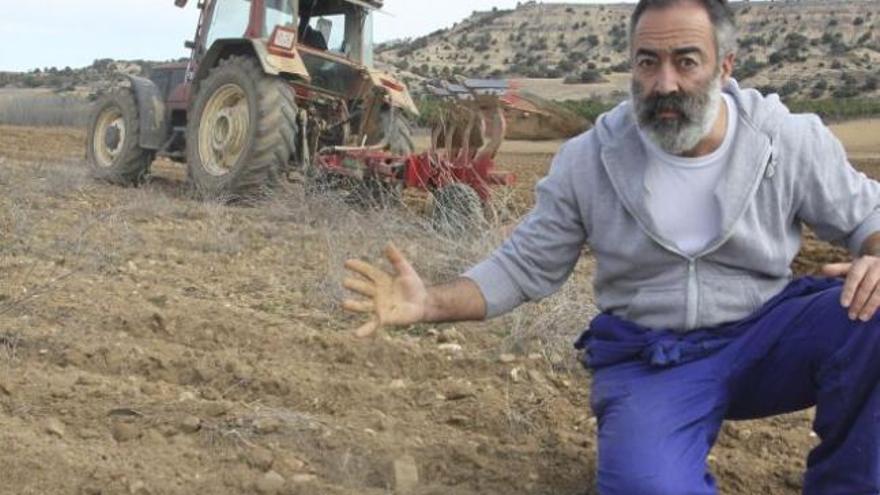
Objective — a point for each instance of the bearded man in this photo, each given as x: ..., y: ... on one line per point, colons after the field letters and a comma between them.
x: 691, y: 196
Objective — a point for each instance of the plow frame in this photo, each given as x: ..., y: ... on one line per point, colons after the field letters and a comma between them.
x: 457, y: 153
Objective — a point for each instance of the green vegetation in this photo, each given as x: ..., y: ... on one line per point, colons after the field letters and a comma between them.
x: 430, y: 110
x: 590, y: 108
x: 836, y: 108
x: 589, y: 76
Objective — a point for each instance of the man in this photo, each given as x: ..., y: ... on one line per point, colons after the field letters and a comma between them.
x: 691, y: 196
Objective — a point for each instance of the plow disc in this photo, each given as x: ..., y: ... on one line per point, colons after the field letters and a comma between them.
x: 464, y: 142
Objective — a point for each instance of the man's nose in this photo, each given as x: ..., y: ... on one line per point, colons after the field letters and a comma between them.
x: 667, y: 80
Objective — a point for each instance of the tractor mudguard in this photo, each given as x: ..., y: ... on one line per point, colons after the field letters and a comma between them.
x: 151, y: 113
x: 397, y: 92
x: 272, y: 64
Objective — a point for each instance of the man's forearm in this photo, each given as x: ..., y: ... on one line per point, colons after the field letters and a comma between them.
x: 458, y: 300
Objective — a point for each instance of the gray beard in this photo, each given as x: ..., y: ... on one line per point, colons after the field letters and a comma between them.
x: 699, y: 113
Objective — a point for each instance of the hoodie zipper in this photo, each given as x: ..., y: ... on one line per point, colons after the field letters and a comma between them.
x: 693, y: 296
x: 693, y: 291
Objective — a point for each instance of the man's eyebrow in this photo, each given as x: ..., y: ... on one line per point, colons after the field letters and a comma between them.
x: 687, y: 50
x: 646, y: 53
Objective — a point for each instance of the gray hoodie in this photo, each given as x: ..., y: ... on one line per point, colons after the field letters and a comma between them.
x: 785, y: 169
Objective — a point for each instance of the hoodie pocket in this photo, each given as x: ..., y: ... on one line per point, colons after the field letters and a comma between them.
x: 657, y: 307
x: 725, y: 299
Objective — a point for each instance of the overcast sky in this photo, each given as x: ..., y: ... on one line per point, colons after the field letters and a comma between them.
x: 73, y: 33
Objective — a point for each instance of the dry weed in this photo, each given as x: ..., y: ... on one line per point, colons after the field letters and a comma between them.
x: 43, y: 109
x: 549, y: 326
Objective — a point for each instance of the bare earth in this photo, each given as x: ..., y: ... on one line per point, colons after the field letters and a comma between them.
x: 152, y: 344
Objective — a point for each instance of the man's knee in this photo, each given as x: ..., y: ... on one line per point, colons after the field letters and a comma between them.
x: 644, y: 464
x: 664, y: 482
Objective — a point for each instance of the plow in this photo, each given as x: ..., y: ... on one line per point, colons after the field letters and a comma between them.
x: 276, y: 88
x: 459, y: 168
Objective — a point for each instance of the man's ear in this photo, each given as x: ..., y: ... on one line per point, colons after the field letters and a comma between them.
x: 727, y: 66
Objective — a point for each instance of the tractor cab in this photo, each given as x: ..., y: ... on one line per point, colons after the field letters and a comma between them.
x: 340, y: 28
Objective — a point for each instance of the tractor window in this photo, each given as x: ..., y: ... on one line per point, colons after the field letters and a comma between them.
x: 368, y: 41
x: 278, y: 13
x: 230, y: 20
x: 331, y: 29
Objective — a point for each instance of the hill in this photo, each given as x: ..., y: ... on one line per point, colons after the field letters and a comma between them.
x: 82, y: 80
x: 797, y: 48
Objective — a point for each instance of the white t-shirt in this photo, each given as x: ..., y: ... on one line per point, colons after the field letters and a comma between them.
x: 680, y: 192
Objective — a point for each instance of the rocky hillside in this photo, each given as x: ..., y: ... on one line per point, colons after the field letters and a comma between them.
x: 80, y: 80
x: 814, y: 49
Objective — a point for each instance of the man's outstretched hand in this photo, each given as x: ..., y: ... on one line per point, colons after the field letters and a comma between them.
x: 861, y: 290
x: 396, y: 299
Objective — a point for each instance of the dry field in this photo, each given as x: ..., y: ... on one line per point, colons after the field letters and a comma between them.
x: 153, y: 344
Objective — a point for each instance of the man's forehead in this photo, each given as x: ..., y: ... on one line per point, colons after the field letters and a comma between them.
x: 675, y: 27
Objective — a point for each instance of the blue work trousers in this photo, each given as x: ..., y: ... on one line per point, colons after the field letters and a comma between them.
x: 660, y: 396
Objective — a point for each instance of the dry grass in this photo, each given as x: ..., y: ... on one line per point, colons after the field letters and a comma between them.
x: 43, y: 109
x: 105, y: 237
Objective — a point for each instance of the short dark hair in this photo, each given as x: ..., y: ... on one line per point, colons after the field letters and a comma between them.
x: 719, y: 13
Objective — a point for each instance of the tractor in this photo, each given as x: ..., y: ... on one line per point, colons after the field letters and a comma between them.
x: 279, y: 89
x: 268, y: 85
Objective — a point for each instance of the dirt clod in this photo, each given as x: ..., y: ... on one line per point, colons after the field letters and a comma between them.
x: 270, y: 483
x: 123, y: 431
x: 190, y: 424
x: 506, y: 358
x: 303, y: 478
x: 406, y: 475
x: 259, y: 458
x: 55, y: 427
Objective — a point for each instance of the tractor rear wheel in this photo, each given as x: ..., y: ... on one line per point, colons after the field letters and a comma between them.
x: 397, y: 131
x: 112, y: 151
x: 242, y: 131
x: 457, y: 210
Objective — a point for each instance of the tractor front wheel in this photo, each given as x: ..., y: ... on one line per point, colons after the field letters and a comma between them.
x: 112, y: 151
x: 242, y: 131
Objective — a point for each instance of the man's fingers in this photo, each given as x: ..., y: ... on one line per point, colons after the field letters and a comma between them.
x: 362, y: 287
x: 871, y: 306
x: 358, y: 306
x: 398, y: 261
x: 853, y: 280
x: 367, y: 329
x: 836, y: 269
x: 866, y: 288
x: 365, y: 269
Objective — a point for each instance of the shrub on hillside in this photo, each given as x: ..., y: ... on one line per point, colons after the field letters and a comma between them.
x: 748, y: 68
x: 589, y: 76
x: 589, y: 109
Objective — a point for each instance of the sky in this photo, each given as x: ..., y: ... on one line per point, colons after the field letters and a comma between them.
x: 60, y: 33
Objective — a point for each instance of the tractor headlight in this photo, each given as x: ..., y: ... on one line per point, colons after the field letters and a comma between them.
x: 283, y: 38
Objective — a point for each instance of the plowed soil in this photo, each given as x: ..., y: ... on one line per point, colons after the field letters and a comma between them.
x: 154, y: 344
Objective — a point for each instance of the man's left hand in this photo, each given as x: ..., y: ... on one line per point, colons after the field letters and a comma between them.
x: 861, y: 291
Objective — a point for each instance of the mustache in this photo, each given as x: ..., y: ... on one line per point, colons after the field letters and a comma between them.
x: 679, y: 102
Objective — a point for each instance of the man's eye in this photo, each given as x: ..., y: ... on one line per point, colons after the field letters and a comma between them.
x: 687, y: 63
x: 645, y: 63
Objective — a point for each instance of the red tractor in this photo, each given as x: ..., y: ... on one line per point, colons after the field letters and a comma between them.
x: 272, y: 88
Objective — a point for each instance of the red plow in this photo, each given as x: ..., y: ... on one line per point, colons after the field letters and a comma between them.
x: 460, y: 164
